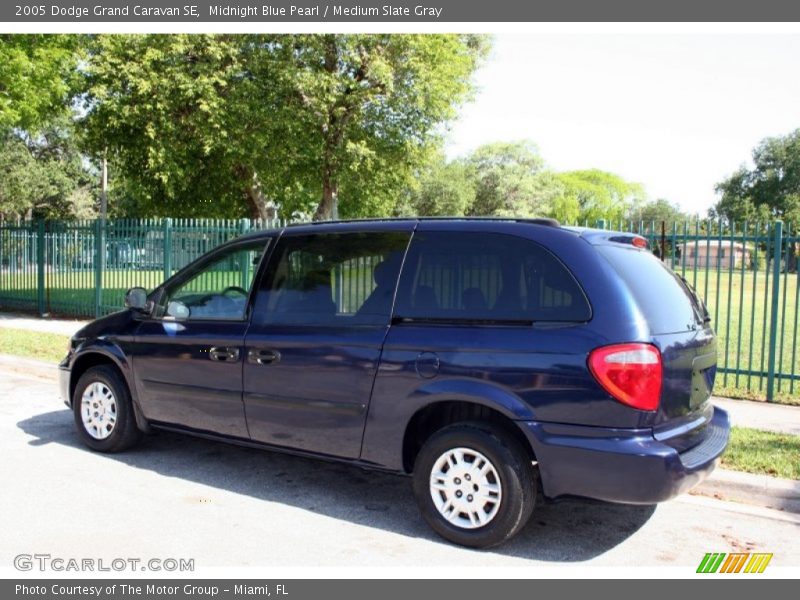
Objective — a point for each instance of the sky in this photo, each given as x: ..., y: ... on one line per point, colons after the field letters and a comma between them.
x: 676, y: 113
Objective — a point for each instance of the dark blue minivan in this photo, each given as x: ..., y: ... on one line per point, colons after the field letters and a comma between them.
x: 487, y: 358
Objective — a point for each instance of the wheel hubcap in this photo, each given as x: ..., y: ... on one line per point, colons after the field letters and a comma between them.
x: 465, y: 488
x: 98, y: 410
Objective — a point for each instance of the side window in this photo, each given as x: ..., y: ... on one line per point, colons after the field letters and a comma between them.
x: 218, y: 289
x: 332, y: 279
x: 486, y: 277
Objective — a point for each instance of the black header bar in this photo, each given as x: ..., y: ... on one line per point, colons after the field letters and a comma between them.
x: 413, y: 11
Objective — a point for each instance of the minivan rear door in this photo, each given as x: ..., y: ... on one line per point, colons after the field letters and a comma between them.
x: 679, y: 325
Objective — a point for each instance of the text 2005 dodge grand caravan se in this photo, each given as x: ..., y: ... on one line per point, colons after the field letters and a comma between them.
x: 486, y: 358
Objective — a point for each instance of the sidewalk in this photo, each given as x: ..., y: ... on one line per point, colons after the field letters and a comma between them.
x: 61, y: 326
x: 779, y: 418
x: 745, y: 413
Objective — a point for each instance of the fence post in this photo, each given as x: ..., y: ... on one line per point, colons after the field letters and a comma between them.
x: 40, y: 256
x: 244, y: 227
x: 601, y: 223
x: 773, y: 321
x: 167, y: 248
x: 99, y: 265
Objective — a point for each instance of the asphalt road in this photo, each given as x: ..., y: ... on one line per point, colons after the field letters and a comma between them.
x: 177, y: 496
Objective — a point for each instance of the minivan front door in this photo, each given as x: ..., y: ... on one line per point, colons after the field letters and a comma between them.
x: 188, y: 357
x: 315, y: 340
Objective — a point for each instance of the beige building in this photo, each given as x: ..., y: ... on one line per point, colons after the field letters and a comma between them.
x: 713, y: 253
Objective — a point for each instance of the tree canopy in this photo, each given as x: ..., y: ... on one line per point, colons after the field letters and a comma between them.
x: 596, y: 194
x: 770, y: 189
x: 299, y: 120
x: 37, y: 77
x: 511, y: 179
x: 43, y: 175
x: 321, y: 125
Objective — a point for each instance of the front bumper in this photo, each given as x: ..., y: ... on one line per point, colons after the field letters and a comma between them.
x: 619, y: 465
x: 63, y: 384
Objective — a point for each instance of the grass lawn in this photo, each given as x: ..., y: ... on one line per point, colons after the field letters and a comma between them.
x: 73, y: 293
x: 50, y: 347
x: 755, y: 451
x: 740, y: 309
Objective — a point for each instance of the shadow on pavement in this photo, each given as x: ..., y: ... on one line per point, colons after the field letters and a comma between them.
x: 570, y: 530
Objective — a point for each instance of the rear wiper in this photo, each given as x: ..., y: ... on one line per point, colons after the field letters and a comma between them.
x: 696, y: 300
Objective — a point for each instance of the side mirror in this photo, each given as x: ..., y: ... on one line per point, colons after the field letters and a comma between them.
x: 136, y: 298
x: 178, y: 310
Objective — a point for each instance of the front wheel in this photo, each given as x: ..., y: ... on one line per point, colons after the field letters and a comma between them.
x: 104, y: 412
x: 475, y: 484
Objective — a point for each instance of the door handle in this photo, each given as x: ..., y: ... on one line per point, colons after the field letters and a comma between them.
x: 263, y: 357
x: 223, y: 354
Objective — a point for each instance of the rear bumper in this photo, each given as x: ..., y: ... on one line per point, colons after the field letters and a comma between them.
x: 622, y: 465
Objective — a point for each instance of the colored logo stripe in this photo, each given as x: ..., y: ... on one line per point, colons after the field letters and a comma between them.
x: 758, y: 563
x: 713, y: 562
x: 734, y: 562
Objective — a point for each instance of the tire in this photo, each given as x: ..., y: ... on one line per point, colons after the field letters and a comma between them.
x: 103, y: 411
x: 508, y: 488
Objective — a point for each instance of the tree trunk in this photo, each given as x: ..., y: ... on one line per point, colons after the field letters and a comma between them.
x: 258, y: 204
x: 329, y: 205
x: 259, y: 207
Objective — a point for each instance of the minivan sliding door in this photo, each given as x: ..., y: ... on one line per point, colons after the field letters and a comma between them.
x: 316, y: 335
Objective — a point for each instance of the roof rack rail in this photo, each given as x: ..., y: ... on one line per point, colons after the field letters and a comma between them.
x: 533, y: 220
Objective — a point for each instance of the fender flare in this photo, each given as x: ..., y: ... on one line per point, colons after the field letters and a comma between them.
x: 476, y: 392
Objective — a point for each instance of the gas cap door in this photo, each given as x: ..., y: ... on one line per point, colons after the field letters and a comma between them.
x: 427, y: 365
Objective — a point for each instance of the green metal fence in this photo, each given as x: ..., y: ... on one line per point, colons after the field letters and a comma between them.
x: 746, y: 273
x: 82, y: 268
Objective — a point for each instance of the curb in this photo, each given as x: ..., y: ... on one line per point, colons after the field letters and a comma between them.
x: 722, y: 484
x: 29, y: 366
x: 747, y: 488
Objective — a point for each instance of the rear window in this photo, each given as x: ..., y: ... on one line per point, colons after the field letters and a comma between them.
x: 665, y: 300
x: 487, y: 277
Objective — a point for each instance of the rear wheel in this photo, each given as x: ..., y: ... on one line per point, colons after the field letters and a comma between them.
x: 104, y: 412
x: 474, y: 484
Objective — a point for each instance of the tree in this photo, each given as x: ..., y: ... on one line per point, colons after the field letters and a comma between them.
x: 159, y: 107
x: 441, y: 189
x: 44, y: 176
x: 37, y: 74
x: 510, y: 180
x: 41, y: 170
x: 221, y: 124
x: 597, y: 195
x: 771, y: 189
x: 658, y: 211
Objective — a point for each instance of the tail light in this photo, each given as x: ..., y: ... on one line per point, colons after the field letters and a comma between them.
x: 631, y: 373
